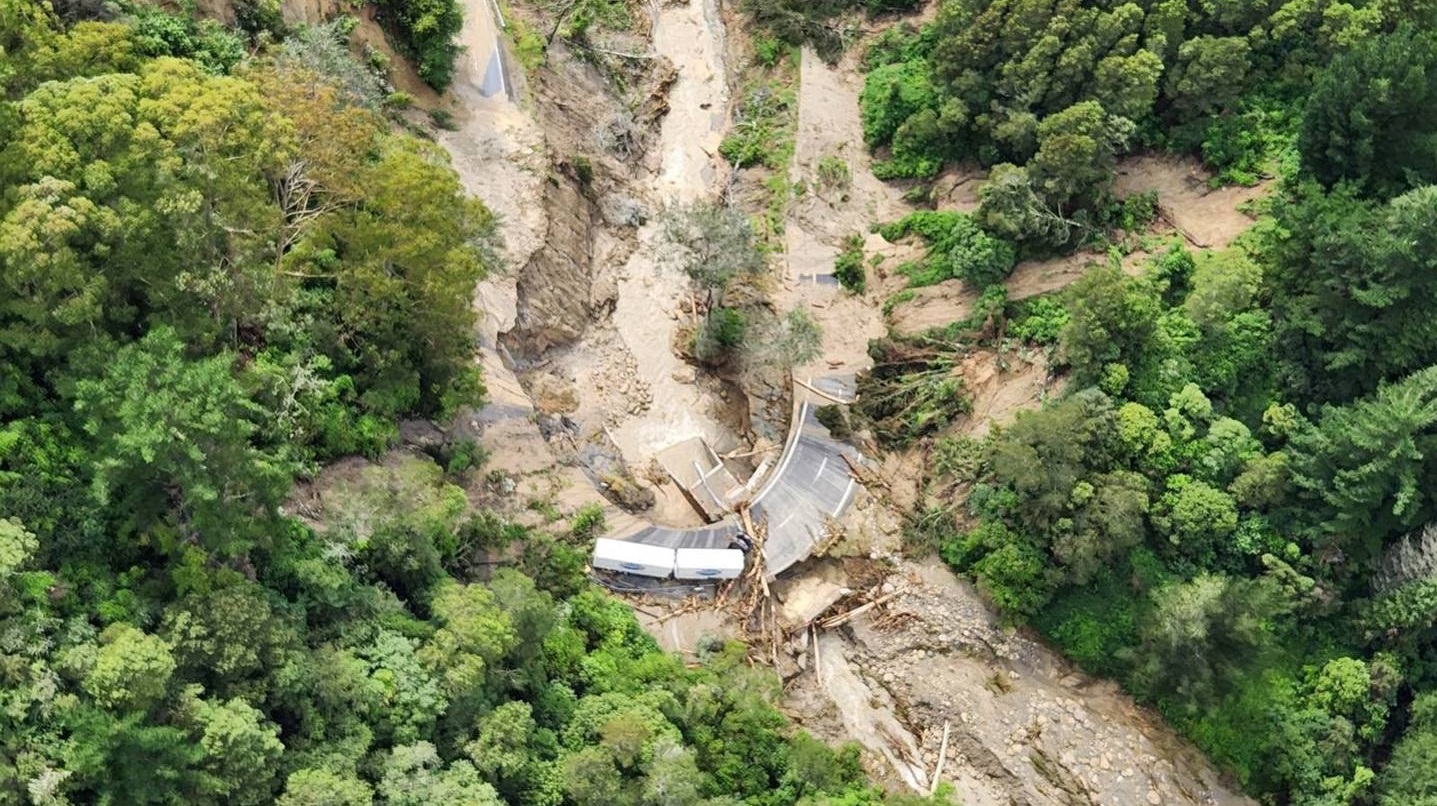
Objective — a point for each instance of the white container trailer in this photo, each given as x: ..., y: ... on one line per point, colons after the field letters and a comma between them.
x: 708, y: 564
x: 633, y: 558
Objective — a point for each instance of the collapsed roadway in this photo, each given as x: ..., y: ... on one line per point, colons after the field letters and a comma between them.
x: 811, y: 485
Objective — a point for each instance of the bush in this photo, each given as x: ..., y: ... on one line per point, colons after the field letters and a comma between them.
x: 529, y: 45
x: 398, y: 100
x: 584, y: 171
x: 325, y: 49
x: 728, y: 327
x: 761, y: 135
x: 894, y: 45
x: 877, y: 7
x: 1134, y: 213
x: 1040, y: 321
x: 426, y: 30
x: 722, y: 333
x: 588, y: 522
x: 801, y: 22
x: 833, y: 173
x: 1094, y: 626
x: 1237, y: 147
x: 848, y: 268
x: 892, y: 93
x: 158, y: 33
x: 907, y: 168
x: 957, y: 247
x: 835, y: 419
x: 768, y: 51
x: 259, y: 16
x: 444, y: 119
x: 463, y: 455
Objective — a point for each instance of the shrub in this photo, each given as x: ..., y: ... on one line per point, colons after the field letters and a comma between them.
x: 259, y: 16
x: 1008, y: 569
x: 957, y: 247
x: 325, y: 49
x: 426, y: 30
x: 761, y: 134
x: 848, y: 268
x: 158, y: 33
x: 529, y: 45
x: 877, y: 7
x: 588, y: 522
x: 398, y: 100
x: 895, y: 44
x: 722, y: 332
x: 907, y: 168
x: 444, y: 119
x: 833, y: 173
x: 801, y: 22
x: 1134, y: 213
x: 767, y: 50
x: 1095, y: 626
x: 1040, y: 321
x: 835, y: 419
x: 463, y: 455
x: 584, y: 170
x: 729, y: 326
x: 892, y: 93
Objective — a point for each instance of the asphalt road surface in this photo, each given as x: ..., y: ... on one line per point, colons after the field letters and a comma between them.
x: 811, y: 484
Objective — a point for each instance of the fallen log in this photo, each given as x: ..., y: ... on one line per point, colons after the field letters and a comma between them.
x: 843, y: 618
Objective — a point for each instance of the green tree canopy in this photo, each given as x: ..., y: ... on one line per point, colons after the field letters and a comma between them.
x: 1370, y: 119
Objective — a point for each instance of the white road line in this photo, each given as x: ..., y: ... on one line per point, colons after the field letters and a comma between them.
x: 499, y: 58
x: 790, y: 449
x: 822, y: 466
x: 843, y: 502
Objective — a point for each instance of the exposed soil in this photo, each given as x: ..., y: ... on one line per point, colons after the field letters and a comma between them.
x: 1024, y: 729
x: 369, y: 34
x: 829, y: 127
x: 1207, y: 218
x: 1003, y: 384
x: 632, y: 386
x: 952, y: 300
x: 499, y: 153
x: 1203, y: 217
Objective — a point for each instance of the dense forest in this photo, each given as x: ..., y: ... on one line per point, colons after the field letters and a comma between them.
x: 1232, y: 507
x: 222, y: 264
x: 225, y: 261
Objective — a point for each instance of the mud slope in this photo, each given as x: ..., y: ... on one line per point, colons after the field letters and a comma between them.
x: 1024, y: 729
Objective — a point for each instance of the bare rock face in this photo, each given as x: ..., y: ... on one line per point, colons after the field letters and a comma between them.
x: 554, y: 287
x: 553, y: 395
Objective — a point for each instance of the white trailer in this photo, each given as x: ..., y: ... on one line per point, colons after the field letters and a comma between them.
x: 633, y: 558
x: 708, y: 564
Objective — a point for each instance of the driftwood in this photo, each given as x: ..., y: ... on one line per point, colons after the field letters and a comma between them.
x: 814, y: 389
x: 938, y: 770
x: 752, y: 600
x: 817, y: 661
x: 843, y: 618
